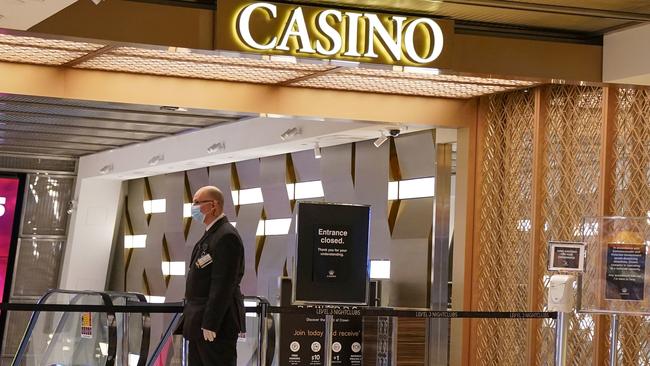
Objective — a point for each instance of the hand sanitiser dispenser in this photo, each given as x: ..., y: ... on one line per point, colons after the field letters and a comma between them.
x: 560, y: 293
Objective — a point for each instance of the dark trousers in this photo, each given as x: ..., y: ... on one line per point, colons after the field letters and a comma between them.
x: 220, y: 352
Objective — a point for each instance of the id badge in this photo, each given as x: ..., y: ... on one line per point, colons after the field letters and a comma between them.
x: 205, y: 260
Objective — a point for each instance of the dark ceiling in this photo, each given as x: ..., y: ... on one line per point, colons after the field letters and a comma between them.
x: 570, y: 20
x: 63, y: 127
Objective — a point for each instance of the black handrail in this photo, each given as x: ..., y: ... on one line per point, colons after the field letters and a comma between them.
x: 165, y: 337
x: 146, y: 324
x: 22, y: 348
x: 108, y: 308
x: 173, y: 324
x: 263, y: 309
x: 302, y: 309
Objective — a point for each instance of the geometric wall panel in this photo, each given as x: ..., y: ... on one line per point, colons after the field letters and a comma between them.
x: 248, y: 217
x: 371, y: 173
x: 273, y: 172
x: 351, y: 173
x: 306, y: 168
x: 416, y: 155
x: 336, y: 170
x: 411, y: 234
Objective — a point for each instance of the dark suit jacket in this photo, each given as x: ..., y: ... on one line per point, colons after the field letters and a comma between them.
x: 213, y: 300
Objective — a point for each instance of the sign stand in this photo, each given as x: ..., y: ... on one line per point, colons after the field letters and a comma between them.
x: 561, y: 328
x: 613, y: 333
x: 618, y: 279
x: 330, y: 269
x: 563, y: 257
x: 329, y: 325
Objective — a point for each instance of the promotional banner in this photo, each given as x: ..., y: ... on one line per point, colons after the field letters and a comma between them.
x: 8, y: 201
x: 11, y: 188
x: 331, y: 254
x: 302, y: 341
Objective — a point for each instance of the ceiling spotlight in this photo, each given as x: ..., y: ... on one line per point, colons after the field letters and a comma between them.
x: 293, y: 131
x: 380, y: 141
x: 156, y: 159
x: 178, y: 49
x: 106, y: 169
x: 317, y: 154
x: 217, y: 147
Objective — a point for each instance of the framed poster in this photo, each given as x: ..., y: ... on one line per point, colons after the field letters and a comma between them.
x: 625, y: 272
x: 566, y: 256
x: 331, y: 265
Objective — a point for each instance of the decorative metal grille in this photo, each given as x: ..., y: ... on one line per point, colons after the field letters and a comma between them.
x: 505, y: 236
x: 570, y: 192
x: 46, y: 205
x: 631, y: 177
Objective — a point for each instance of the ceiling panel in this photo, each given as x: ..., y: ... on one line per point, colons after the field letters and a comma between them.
x: 54, y: 126
x: 76, y: 131
x: 31, y: 141
x: 179, y: 68
x: 64, y: 136
x: 399, y: 86
x: 75, y: 128
x: 141, y: 130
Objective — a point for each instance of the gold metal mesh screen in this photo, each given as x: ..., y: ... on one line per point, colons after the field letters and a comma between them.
x: 570, y: 192
x: 631, y: 197
x: 505, y: 236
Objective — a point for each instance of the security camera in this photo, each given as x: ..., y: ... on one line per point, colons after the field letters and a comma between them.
x: 393, y: 132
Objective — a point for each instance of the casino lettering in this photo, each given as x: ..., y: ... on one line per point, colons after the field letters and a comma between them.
x: 398, y: 39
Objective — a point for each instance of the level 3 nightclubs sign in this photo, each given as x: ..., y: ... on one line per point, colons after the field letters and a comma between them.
x: 315, y: 32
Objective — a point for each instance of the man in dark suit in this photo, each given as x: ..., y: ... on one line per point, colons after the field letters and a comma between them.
x: 214, y: 309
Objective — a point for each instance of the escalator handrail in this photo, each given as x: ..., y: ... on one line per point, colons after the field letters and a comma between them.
x: 174, y: 323
x: 58, y: 331
x: 112, y: 329
x: 146, y: 325
x: 165, y: 337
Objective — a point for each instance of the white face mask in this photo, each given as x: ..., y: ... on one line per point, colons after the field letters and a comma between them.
x: 197, y: 214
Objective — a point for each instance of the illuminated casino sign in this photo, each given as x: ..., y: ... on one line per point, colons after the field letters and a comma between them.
x: 359, y: 36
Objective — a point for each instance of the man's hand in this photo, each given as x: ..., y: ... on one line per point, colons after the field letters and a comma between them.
x: 208, y: 335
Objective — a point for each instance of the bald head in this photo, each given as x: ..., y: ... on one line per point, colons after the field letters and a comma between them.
x: 210, y: 200
x: 212, y: 193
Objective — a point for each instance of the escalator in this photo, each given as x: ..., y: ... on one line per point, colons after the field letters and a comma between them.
x: 85, y: 338
x: 80, y: 338
x: 171, y: 348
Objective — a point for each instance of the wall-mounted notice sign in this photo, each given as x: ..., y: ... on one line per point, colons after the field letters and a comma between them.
x: 359, y: 36
x: 331, y: 254
x: 566, y: 256
x: 86, y: 325
x: 625, y: 278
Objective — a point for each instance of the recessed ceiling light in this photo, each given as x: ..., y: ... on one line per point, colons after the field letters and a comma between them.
x: 172, y: 108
